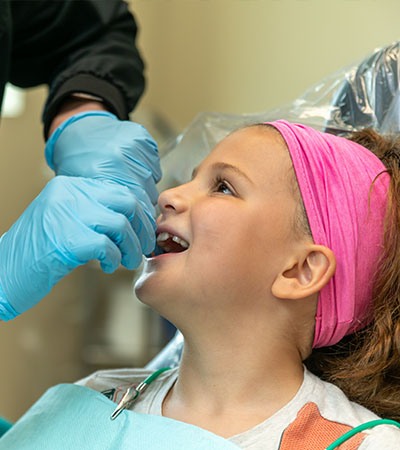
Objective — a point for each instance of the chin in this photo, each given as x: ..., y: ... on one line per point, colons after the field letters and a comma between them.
x: 164, y: 302
x: 149, y: 291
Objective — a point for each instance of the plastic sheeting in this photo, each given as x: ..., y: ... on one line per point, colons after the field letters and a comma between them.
x: 365, y: 94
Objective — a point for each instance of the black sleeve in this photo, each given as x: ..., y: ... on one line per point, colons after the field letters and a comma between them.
x: 77, y: 46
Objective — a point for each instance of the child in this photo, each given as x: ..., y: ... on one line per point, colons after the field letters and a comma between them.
x: 286, y: 240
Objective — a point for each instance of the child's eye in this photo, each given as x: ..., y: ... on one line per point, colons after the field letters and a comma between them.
x: 223, y: 187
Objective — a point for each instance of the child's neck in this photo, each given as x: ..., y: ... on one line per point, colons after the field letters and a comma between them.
x: 229, y: 388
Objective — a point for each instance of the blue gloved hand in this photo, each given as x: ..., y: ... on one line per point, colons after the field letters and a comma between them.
x: 72, y: 221
x: 95, y: 144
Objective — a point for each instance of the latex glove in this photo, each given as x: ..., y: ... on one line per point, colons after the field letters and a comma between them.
x: 96, y: 144
x: 72, y: 221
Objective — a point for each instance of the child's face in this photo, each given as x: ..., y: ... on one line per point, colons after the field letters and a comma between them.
x: 237, y: 217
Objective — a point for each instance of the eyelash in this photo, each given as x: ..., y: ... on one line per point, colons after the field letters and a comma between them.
x: 220, y: 182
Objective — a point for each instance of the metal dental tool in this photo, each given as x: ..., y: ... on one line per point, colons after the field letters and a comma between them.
x: 133, y: 393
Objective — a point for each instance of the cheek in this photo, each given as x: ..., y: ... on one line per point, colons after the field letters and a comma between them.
x: 217, y: 234
x: 227, y: 243
x: 250, y: 243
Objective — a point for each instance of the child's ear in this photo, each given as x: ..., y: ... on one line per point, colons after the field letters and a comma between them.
x: 308, y: 274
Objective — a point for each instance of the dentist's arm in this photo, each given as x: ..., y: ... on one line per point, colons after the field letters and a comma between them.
x: 85, y: 46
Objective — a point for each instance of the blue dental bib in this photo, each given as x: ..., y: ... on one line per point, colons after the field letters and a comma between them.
x: 70, y: 417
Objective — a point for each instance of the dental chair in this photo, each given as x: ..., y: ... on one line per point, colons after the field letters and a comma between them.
x: 364, y: 95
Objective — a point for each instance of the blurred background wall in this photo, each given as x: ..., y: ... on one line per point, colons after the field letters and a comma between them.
x: 231, y: 56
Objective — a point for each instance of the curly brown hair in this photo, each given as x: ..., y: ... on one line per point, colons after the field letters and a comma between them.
x: 366, y: 365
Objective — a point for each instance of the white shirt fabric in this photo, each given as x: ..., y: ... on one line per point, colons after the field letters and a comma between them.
x: 332, y: 404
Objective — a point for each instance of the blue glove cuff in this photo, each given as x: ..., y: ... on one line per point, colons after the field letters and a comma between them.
x: 49, y: 150
x: 7, y: 312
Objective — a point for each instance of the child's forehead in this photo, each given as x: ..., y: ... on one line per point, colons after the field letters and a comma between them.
x: 259, y: 154
x: 260, y: 144
x: 263, y: 132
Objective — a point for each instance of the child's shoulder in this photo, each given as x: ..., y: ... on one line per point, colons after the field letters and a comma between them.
x: 334, y: 405
x: 382, y: 437
x: 331, y: 409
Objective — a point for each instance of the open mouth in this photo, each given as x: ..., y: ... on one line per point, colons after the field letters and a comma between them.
x: 170, y: 243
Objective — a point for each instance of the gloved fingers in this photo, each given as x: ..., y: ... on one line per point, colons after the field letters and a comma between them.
x: 125, y: 198
x: 140, y: 178
x: 142, y: 199
x: 90, y: 245
x: 136, y: 207
x: 144, y: 227
x: 108, y: 217
x: 119, y: 230
x: 71, y: 222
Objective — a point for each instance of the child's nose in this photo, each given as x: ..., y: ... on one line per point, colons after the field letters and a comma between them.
x: 173, y: 199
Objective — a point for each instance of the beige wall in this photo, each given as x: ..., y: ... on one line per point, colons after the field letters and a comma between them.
x: 202, y: 55
x: 246, y: 56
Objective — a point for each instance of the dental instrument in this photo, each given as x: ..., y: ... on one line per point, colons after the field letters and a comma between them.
x: 133, y: 393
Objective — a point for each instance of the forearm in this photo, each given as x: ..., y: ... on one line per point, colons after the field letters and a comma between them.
x: 107, y: 65
x: 88, y: 46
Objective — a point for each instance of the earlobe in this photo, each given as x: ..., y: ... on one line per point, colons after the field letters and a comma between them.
x: 307, y: 275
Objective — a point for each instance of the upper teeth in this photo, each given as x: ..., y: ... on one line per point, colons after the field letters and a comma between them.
x: 164, y: 236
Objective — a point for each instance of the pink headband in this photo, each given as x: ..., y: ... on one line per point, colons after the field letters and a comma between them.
x: 345, y: 205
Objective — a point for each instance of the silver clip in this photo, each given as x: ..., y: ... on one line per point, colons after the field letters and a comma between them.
x: 129, y: 397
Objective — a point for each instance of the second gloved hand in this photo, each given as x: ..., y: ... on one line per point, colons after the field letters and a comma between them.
x: 95, y: 144
x: 72, y: 221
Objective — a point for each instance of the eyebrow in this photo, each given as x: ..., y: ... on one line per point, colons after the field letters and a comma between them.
x: 225, y: 166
